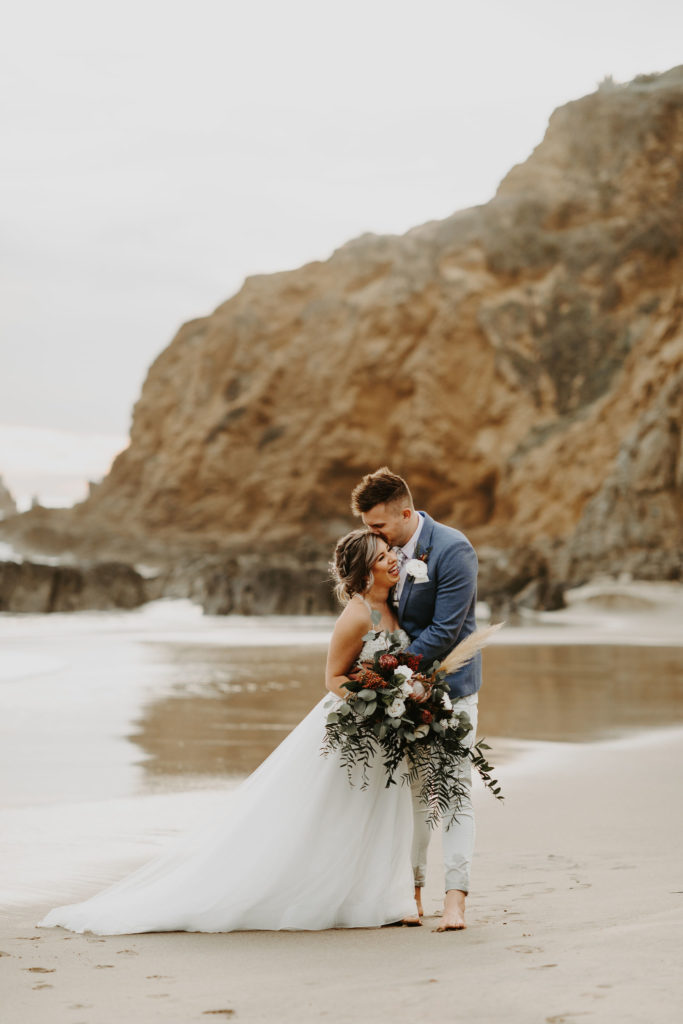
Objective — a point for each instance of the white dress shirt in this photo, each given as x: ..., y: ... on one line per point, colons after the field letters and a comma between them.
x: 404, y: 555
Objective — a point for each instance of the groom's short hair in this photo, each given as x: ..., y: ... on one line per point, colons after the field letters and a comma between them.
x: 380, y: 488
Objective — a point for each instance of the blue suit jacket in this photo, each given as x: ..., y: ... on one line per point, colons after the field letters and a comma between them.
x: 438, y: 614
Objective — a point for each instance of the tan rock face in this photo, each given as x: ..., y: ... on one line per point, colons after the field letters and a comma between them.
x: 520, y: 363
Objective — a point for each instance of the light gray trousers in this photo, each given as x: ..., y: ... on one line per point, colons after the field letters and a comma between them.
x: 458, y: 840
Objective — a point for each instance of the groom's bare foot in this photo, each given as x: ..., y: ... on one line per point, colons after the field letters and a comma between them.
x: 418, y: 900
x: 453, y: 917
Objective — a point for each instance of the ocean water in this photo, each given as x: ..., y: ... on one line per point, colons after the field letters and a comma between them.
x: 118, y: 729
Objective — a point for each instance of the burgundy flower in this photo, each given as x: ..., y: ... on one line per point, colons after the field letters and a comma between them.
x: 426, y: 716
x: 388, y: 662
x: 412, y: 661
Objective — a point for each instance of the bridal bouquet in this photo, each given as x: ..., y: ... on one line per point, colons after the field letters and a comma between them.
x: 405, y: 712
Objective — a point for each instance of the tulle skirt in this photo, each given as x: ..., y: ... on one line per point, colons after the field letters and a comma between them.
x: 297, y: 847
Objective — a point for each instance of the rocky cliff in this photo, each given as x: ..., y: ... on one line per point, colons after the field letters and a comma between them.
x: 7, y: 503
x: 521, y: 363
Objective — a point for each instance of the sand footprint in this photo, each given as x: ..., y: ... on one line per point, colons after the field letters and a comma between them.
x: 566, y: 1018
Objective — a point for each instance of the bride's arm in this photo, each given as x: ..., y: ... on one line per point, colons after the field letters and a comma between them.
x: 345, y: 646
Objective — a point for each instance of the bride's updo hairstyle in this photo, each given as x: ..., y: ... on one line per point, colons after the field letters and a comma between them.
x: 354, y: 557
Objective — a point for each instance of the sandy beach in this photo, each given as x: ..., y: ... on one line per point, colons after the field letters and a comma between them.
x: 576, y: 909
x: 576, y: 912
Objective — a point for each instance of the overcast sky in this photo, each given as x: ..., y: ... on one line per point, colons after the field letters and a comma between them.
x: 155, y: 153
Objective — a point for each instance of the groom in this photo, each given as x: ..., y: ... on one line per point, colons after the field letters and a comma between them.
x: 437, y: 612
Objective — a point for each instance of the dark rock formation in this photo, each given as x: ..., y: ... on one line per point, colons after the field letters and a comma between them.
x: 27, y: 587
x: 248, y: 585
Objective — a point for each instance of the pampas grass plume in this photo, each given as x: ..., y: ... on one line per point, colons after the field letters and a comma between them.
x: 466, y: 650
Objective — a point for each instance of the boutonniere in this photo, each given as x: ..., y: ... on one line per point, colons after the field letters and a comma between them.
x: 421, y: 555
x: 417, y: 566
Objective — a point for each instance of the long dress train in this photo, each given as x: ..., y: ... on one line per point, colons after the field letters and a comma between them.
x: 298, y: 848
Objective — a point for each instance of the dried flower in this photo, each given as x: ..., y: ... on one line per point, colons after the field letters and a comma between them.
x: 373, y: 680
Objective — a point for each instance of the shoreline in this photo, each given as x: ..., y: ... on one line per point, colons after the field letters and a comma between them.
x: 576, y: 911
x: 605, y: 611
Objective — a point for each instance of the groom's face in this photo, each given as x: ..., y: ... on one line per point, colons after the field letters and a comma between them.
x: 390, y: 519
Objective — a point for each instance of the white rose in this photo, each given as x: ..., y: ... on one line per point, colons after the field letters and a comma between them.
x: 406, y: 689
x: 422, y: 730
x: 403, y: 671
x: 447, y: 703
x: 396, y: 708
x: 416, y: 568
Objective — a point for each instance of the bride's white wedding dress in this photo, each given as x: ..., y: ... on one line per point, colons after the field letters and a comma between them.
x: 298, y: 847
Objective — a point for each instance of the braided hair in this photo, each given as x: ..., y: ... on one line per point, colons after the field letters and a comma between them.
x: 351, y: 567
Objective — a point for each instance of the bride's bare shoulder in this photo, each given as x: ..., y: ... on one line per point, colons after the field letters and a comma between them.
x: 355, y: 619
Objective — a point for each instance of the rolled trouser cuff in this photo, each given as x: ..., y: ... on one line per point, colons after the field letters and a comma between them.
x: 458, y: 879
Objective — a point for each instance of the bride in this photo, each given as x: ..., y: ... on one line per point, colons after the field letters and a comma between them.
x: 297, y: 847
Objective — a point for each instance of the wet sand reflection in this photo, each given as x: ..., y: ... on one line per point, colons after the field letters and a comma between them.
x: 227, y: 710
x: 224, y: 711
